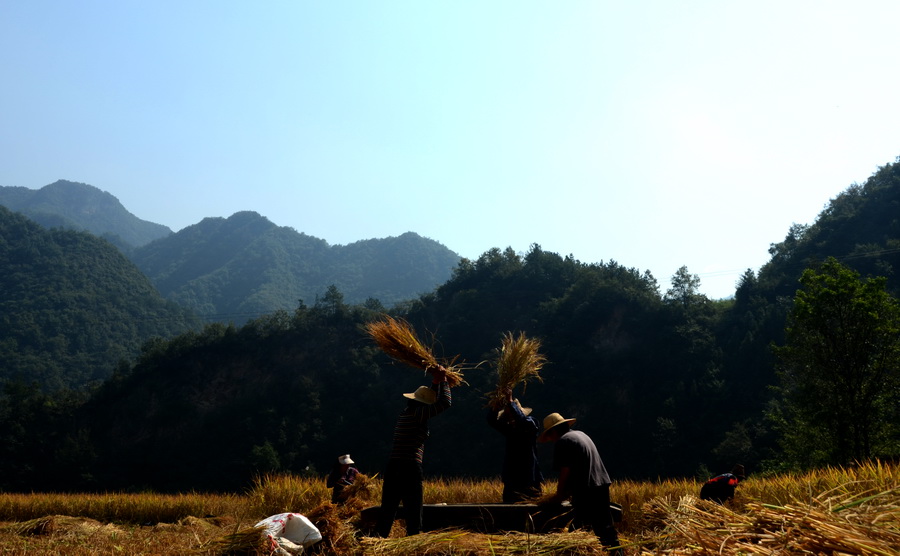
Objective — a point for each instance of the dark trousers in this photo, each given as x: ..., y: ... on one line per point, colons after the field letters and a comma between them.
x: 402, y: 483
x: 592, y: 512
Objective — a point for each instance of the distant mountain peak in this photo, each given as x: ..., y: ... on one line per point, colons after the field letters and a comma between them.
x: 80, y: 206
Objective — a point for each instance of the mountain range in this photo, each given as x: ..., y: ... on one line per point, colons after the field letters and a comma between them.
x: 236, y: 268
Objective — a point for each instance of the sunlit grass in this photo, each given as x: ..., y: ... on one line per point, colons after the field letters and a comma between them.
x: 656, y: 515
x: 119, y: 507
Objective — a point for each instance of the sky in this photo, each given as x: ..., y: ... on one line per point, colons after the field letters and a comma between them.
x: 655, y: 134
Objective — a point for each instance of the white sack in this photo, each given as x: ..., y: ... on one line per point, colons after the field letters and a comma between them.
x: 294, y: 527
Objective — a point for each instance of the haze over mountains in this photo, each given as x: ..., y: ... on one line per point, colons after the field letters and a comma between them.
x: 235, y: 268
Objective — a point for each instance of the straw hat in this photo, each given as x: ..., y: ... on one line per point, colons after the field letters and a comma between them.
x: 551, y: 421
x: 525, y: 410
x: 345, y: 460
x: 423, y: 394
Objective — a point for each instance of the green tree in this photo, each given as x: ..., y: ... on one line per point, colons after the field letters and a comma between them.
x: 839, y: 369
x: 685, y: 288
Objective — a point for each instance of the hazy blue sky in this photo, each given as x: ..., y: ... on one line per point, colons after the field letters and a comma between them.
x: 653, y: 133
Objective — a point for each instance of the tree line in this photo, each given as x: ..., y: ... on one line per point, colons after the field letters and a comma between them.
x: 644, y: 374
x: 798, y: 370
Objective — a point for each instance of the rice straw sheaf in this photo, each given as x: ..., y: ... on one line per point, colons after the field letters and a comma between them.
x: 337, y: 522
x: 249, y: 540
x: 518, y: 361
x: 824, y: 526
x: 61, y: 525
x: 396, y: 338
x: 459, y: 542
x: 338, y: 536
x: 359, y: 494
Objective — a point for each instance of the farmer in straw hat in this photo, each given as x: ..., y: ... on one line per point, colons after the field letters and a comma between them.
x: 342, y: 475
x: 403, y: 476
x: 521, y: 475
x: 582, y: 477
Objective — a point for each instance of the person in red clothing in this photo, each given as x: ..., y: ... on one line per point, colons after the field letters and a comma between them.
x: 403, y: 476
x: 721, y: 487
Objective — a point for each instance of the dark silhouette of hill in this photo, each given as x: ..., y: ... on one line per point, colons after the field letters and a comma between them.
x: 236, y: 268
x: 73, y: 306
x: 79, y: 206
x: 667, y: 383
x: 860, y: 228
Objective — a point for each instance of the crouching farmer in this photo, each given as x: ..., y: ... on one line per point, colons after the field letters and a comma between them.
x: 582, y: 477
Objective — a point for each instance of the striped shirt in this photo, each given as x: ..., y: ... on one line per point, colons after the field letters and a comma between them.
x: 412, y: 425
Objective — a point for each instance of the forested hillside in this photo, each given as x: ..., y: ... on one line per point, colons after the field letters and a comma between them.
x: 244, y: 266
x: 79, y: 206
x: 860, y: 227
x: 237, y: 268
x: 72, y: 306
x: 666, y: 381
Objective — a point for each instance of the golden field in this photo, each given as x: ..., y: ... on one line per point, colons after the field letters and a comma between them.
x: 831, y: 511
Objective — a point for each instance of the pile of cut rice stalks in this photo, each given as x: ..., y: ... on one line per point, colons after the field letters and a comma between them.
x: 62, y: 525
x: 334, y: 521
x: 863, y: 524
x: 247, y: 540
x: 518, y: 361
x: 459, y: 542
x: 397, y: 338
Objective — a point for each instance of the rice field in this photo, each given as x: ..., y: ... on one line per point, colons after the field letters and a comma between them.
x: 831, y: 511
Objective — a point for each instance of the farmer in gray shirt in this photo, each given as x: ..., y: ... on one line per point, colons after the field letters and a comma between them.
x: 582, y: 477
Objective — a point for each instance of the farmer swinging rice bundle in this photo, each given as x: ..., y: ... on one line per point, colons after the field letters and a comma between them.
x: 518, y: 361
x: 397, y: 338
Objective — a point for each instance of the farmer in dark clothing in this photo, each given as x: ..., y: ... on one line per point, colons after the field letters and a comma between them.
x: 342, y: 475
x: 521, y: 474
x: 582, y: 477
x: 403, y: 476
x: 721, y: 487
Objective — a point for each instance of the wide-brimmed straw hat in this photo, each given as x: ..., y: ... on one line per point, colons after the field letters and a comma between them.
x: 525, y: 410
x: 550, y: 421
x: 423, y: 394
x: 345, y: 460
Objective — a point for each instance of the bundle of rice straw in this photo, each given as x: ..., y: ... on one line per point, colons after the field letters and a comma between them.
x: 518, y: 361
x: 396, y: 338
x: 358, y: 495
x: 870, y: 525
x: 62, y: 525
x: 337, y: 522
x: 249, y: 540
x: 338, y: 535
x: 456, y: 542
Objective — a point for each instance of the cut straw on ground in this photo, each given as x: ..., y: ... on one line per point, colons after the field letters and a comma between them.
x: 692, y: 526
x: 457, y: 541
